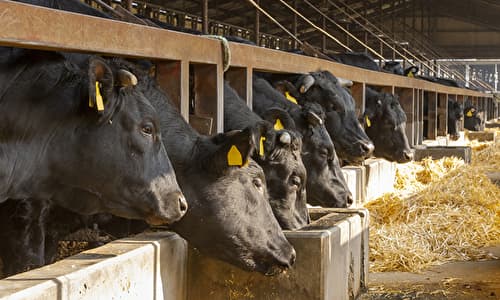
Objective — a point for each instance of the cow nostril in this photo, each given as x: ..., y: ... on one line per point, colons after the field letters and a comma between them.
x: 324, y: 152
x: 183, y: 206
x: 408, y: 155
x: 293, y: 256
x: 350, y: 201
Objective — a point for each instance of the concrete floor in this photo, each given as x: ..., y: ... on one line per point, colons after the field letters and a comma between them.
x: 458, y: 280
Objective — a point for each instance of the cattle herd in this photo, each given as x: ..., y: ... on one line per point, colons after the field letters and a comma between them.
x: 92, y: 140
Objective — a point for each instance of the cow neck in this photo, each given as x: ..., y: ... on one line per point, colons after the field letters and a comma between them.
x: 34, y: 118
x: 178, y: 136
x: 265, y: 97
x: 237, y: 115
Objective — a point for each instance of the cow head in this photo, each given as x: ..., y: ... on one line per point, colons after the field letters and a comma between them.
x: 393, y: 67
x: 230, y: 217
x: 278, y: 153
x: 351, y: 142
x: 455, y: 116
x: 124, y: 148
x: 326, y: 185
x: 385, y: 124
x: 325, y: 181
x: 285, y: 175
x: 473, y: 119
x: 279, y: 156
x: 99, y: 149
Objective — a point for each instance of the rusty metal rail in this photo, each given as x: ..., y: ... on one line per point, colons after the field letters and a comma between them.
x: 41, y: 28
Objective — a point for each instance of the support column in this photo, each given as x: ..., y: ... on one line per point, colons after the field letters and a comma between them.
x: 257, y: 25
x: 496, y: 78
x: 467, y: 75
x: 204, y: 16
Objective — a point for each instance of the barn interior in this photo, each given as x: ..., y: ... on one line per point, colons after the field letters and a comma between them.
x: 446, y: 38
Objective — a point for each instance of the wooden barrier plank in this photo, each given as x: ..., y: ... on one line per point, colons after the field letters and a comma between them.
x: 59, y: 30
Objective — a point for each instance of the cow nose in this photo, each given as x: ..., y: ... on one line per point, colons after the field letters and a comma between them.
x: 293, y: 256
x: 183, y: 206
x: 367, y: 147
x: 408, y: 154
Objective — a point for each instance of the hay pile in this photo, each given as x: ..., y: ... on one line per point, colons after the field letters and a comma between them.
x: 441, y: 211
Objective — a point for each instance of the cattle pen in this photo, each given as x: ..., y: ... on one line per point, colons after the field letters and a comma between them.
x: 332, y: 253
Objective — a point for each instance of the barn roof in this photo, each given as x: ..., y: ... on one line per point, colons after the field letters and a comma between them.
x: 434, y: 29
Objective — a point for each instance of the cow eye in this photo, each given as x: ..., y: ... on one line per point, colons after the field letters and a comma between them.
x: 257, y: 182
x: 147, y: 129
x: 295, y: 180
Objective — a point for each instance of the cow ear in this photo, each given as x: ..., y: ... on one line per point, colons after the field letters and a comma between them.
x: 101, y: 85
x: 264, y: 138
x: 280, y: 118
x: 289, y: 90
x: 369, y: 114
x: 234, y: 150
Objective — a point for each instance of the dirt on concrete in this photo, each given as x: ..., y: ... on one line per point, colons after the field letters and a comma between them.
x: 458, y: 281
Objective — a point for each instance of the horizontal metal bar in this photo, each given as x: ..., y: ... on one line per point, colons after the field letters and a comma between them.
x: 41, y: 28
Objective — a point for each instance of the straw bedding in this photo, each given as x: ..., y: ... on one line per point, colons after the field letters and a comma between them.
x: 441, y: 211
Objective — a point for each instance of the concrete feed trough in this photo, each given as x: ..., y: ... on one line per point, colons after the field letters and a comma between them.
x: 332, y: 263
x: 463, y: 152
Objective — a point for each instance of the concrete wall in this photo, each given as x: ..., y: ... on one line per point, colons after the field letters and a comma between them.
x: 149, y: 266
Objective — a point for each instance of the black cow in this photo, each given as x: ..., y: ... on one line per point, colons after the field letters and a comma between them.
x: 455, y: 116
x: 350, y: 140
x: 385, y: 124
x: 279, y: 157
x: 473, y: 119
x: 443, y: 81
x: 229, y: 217
x: 395, y: 67
x: 85, y: 139
x: 356, y: 59
x: 326, y: 185
x: 75, y: 6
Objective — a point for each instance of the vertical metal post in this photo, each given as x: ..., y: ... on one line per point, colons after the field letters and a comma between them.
x: 294, y: 25
x: 204, y: 16
x: 257, y: 25
x: 366, y: 33
x: 496, y: 78
x: 467, y: 75
x: 392, y: 31
x: 127, y: 4
x: 323, y: 36
x: 381, y: 3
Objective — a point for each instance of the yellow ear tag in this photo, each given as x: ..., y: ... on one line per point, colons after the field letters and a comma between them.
x: 290, y: 97
x: 410, y: 75
x: 469, y: 113
x: 98, y: 97
x: 368, y: 122
x: 261, y: 146
x: 278, y: 125
x: 234, y: 157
